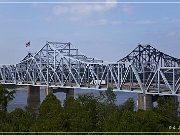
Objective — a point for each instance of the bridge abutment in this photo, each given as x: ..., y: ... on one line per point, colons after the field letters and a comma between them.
x: 33, y: 98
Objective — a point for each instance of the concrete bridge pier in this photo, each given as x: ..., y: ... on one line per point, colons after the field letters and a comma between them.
x: 33, y: 98
x: 145, y: 102
x: 48, y: 90
x: 68, y: 91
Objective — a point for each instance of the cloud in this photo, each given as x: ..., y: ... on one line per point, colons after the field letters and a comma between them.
x: 84, y: 8
x: 116, y: 22
x: 14, y: 20
x: 39, y: 5
x: 159, y: 21
x: 171, y: 34
x: 106, y: 22
x: 128, y: 9
x: 175, y: 20
x: 59, y: 10
x: 145, y: 22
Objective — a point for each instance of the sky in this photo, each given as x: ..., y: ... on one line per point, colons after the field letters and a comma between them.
x: 107, y: 31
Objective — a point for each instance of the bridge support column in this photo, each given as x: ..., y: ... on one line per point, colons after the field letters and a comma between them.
x: 69, y: 91
x: 33, y: 98
x: 145, y: 102
x: 48, y: 90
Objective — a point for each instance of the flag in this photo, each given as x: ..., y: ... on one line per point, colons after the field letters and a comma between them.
x: 28, y: 44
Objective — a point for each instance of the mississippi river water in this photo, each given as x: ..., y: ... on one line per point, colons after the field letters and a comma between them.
x: 20, y: 100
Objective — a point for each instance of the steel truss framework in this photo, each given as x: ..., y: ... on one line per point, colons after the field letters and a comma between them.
x: 145, y: 70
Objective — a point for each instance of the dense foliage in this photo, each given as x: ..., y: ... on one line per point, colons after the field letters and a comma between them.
x: 5, y: 97
x: 88, y: 113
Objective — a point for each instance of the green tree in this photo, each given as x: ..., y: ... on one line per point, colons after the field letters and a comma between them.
x: 31, y: 112
x: 5, y: 97
x: 93, y: 108
x: 76, y: 117
x: 50, y: 105
x: 107, y: 96
x: 5, y: 122
x: 128, y: 105
x: 21, y: 120
x: 121, y: 118
x: 168, y: 107
x: 49, y: 118
x: 151, y: 121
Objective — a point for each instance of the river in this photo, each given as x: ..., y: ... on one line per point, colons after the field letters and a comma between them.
x: 20, y: 100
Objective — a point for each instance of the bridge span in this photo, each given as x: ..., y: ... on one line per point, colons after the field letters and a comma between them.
x: 56, y: 65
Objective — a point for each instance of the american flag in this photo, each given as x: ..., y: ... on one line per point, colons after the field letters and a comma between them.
x: 28, y: 44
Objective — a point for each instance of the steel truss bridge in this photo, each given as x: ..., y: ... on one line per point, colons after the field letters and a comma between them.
x: 145, y: 70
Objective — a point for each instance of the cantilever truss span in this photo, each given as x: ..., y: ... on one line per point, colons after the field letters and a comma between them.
x: 145, y: 70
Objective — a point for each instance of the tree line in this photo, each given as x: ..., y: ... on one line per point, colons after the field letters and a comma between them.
x: 88, y: 113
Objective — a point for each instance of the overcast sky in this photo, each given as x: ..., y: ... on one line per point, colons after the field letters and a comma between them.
x: 107, y: 31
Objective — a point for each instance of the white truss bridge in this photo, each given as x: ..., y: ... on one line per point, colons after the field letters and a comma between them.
x: 145, y: 70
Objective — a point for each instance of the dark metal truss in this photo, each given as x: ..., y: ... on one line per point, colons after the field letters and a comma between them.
x: 150, y: 57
